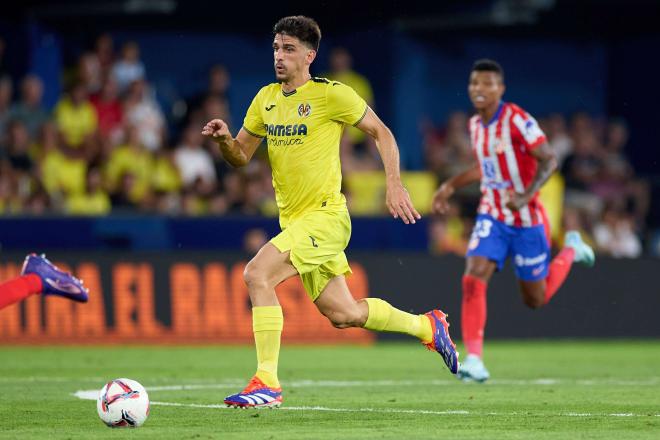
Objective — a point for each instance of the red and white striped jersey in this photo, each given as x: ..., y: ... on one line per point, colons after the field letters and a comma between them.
x: 503, y: 148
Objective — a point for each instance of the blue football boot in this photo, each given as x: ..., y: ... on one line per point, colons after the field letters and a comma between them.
x: 256, y: 395
x: 442, y: 343
x: 53, y: 280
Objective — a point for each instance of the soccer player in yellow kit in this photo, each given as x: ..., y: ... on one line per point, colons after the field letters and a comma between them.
x: 302, y: 119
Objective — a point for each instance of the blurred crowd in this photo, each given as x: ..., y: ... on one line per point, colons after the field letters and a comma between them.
x: 108, y: 146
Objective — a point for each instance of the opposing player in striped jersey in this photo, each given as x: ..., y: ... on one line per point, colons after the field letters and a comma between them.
x: 514, y: 160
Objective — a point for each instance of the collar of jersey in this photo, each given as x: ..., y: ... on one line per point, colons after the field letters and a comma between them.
x: 496, y: 116
x: 293, y: 92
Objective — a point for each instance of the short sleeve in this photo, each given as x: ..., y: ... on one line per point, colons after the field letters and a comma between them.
x: 344, y: 104
x: 253, y: 122
x: 530, y: 132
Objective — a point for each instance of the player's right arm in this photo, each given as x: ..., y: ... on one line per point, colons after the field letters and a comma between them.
x: 440, y: 204
x: 239, y: 150
x: 236, y: 151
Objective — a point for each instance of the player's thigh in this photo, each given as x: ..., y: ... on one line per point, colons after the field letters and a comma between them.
x: 270, y: 266
x: 530, y: 252
x: 480, y: 267
x: 533, y: 293
x: 488, y: 247
x: 337, y: 303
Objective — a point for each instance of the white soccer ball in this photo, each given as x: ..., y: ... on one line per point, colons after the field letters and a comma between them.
x: 123, y: 403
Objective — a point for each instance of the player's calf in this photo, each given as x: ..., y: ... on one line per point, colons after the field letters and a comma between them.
x: 346, y: 318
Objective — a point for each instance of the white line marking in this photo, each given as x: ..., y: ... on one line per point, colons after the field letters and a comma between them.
x: 93, y: 395
x: 81, y: 395
x: 230, y: 383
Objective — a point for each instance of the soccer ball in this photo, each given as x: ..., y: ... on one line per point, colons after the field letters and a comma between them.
x: 123, y: 403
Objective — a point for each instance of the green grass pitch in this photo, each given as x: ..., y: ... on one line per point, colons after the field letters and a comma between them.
x: 538, y: 390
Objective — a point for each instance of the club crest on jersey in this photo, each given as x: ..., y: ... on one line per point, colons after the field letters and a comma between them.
x: 304, y: 109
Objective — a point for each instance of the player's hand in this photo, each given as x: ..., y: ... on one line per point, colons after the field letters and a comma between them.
x: 399, y: 203
x: 440, y: 203
x: 217, y: 129
x: 515, y: 201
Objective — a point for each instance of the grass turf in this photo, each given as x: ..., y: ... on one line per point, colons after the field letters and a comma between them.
x: 539, y: 390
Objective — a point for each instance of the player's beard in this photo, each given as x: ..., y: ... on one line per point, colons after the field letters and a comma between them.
x: 282, y: 75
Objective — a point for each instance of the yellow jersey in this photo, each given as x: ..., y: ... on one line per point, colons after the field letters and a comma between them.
x: 303, y: 129
x: 361, y: 85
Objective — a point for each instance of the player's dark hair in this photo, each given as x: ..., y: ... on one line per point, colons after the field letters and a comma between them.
x: 303, y: 28
x: 486, y: 65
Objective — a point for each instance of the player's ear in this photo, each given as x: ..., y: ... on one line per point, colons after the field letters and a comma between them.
x: 311, y: 56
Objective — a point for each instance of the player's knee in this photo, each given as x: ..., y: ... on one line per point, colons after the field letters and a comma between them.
x: 254, y: 277
x: 478, y: 271
x: 534, y: 301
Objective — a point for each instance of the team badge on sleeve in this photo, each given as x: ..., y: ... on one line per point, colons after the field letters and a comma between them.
x: 528, y: 128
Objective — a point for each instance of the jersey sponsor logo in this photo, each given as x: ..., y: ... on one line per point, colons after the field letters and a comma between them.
x: 286, y: 130
x: 490, y: 175
x: 304, y: 110
x: 492, y: 184
x: 313, y: 241
x: 488, y: 168
x: 270, y: 107
x: 530, y: 261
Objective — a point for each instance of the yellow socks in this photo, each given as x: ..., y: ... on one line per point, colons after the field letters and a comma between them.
x: 385, y: 318
x: 267, y: 324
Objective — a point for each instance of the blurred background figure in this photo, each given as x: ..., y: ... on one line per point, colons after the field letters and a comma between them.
x: 6, y: 91
x: 29, y: 109
x: 128, y: 68
x: 254, y: 240
x: 358, y: 150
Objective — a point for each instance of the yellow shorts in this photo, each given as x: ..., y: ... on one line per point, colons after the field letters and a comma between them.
x: 317, y: 241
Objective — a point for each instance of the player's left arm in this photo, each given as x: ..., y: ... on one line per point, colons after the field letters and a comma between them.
x: 397, y: 197
x: 547, y: 164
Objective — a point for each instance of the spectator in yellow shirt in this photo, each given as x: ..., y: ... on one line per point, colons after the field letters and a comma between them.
x: 76, y: 119
x: 134, y: 159
x: 61, y: 173
x: 93, y: 201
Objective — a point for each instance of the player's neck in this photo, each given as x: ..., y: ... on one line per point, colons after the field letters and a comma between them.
x: 487, y: 114
x: 294, y: 83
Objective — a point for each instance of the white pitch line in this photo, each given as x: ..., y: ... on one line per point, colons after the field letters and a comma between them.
x: 93, y: 396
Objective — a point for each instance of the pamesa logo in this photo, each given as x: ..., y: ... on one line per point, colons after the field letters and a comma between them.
x: 286, y: 130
